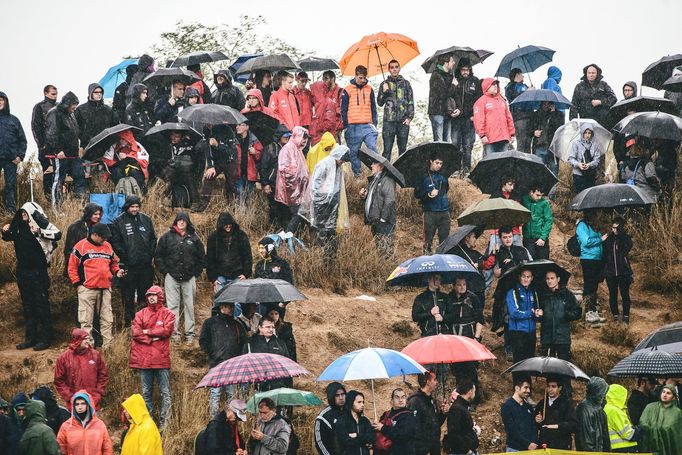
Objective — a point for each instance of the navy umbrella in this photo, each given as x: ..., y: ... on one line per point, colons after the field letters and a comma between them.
x: 667, y: 338
x: 659, y: 364
x: 474, y: 56
x: 611, y: 195
x: 416, y: 271
x: 673, y: 84
x: 652, y: 125
x: 526, y: 58
x: 659, y: 71
x: 532, y: 98
x: 527, y: 169
x: 234, y: 67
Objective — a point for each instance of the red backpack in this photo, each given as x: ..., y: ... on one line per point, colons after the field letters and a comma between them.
x: 382, y: 443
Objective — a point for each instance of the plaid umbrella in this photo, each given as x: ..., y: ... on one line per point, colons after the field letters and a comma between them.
x: 646, y: 362
x: 251, y: 368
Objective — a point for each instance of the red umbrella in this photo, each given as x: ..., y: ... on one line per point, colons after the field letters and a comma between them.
x: 251, y: 368
x: 447, y: 349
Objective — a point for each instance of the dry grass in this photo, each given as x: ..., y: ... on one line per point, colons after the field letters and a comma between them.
x: 618, y: 335
x: 595, y: 359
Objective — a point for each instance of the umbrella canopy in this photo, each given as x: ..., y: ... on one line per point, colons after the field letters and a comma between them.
x: 234, y: 67
x: 611, y: 195
x: 527, y: 169
x: 262, y: 126
x: 673, y: 84
x: 370, y: 363
x: 416, y: 271
x: 539, y: 268
x: 649, y: 362
x: 368, y: 157
x: 260, y: 290
x: 652, y: 125
x: 569, y: 132
x: 273, y: 62
x: 474, y: 56
x: 447, y: 349
x: 375, y: 51
x: 460, y: 234
x: 414, y: 163
x: 659, y: 71
x: 114, y: 76
x: 667, y: 338
x: 318, y: 64
x: 640, y: 104
x: 494, y: 213
x: 99, y: 144
x: 526, y: 58
x: 284, y: 397
x: 166, y: 76
x: 165, y: 129
x: 201, y: 115
x: 195, y: 58
x: 547, y: 367
x: 251, y: 368
x: 531, y: 98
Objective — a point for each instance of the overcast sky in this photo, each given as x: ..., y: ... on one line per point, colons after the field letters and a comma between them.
x: 72, y: 43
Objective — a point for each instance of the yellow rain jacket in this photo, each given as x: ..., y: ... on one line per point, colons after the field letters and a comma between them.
x: 317, y: 152
x: 620, y: 428
x: 143, y: 438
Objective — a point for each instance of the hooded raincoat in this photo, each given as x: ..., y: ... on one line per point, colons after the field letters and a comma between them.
x: 621, y: 431
x: 261, y: 106
x: 55, y: 414
x: 579, y: 149
x: 87, y: 436
x: 94, y: 116
x: 585, y: 92
x: 326, y: 109
x: 492, y: 117
x: 227, y: 94
x: 593, y: 431
x: 151, y: 350
x: 143, y: 437
x: 317, y: 152
x: 662, y: 427
x: 12, y: 137
x: 38, y: 438
x: 292, y: 172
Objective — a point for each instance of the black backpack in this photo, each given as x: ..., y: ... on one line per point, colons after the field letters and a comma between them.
x: 573, y: 246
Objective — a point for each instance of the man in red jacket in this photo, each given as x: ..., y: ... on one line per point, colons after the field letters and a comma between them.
x: 150, y: 350
x: 80, y: 367
x: 492, y: 120
x: 304, y: 98
x: 91, y: 267
x: 326, y: 103
x: 283, y: 103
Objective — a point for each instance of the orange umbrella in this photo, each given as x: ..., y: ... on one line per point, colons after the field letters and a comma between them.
x: 375, y: 51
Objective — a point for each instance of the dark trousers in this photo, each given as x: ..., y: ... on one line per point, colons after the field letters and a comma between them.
x: 392, y: 130
x: 463, y: 136
x: 619, y: 283
x: 229, y: 190
x: 522, y: 138
x: 435, y: 221
x: 34, y: 286
x: 48, y: 178
x: 10, y: 171
x: 183, y: 184
x: 523, y: 347
x: 592, y: 269
x: 278, y: 213
x: 137, y: 281
x: 384, y: 235
x: 536, y: 252
x: 74, y: 168
x: 582, y: 183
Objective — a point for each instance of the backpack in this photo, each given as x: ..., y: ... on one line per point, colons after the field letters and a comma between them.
x: 573, y: 246
x: 128, y: 186
x: 382, y: 443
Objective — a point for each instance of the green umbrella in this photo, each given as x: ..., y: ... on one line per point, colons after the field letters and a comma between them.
x: 494, y: 213
x: 284, y: 397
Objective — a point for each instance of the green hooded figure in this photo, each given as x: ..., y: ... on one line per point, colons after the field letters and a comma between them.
x: 38, y: 438
x: 662, y: 422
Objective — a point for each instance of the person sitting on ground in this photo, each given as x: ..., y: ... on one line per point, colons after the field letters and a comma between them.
x: 397, y: 425
x: 221, y: 436
x: 325, y: 422
x: 56, y: 415
x: 127, y: 158
x: 556, y: 417
x: 517, y: 417
x: 616, y: 245
x: 430, y: 309
x: 271, y: 433
x: 180, y: 170
x: 354, y: 432
x: 84, y: 432
x: 220, y: 151
x: 143, y: 437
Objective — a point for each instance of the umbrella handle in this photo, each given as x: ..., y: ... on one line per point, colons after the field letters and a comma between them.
x: 374, y: 403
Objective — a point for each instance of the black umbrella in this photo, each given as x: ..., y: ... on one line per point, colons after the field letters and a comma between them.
x: 611, y: 195
x: 548, y: 367
x: 165, y: 129
x: 260, y: 290
x: 673, y: 84
x: 531, y: 98
x: 659, y: 364
x: 99, y: 144
x: 474, y: 56
x: 526, y: 58
x: 195, y: 58
x: 639, y: 104
x: 368, y: 157
x: 262, y: 126
x: 166, y: 76
x: 318, y: 64
x: 667, y: 338
x: 201, y: 115
x: 652, y: 125
x: 494, y: 212
x: 274, y: 62
x: 656, y: 74
x: 414, y: 163
x: 524, y: 167
x: 454, y: 239
x: 539, y: 268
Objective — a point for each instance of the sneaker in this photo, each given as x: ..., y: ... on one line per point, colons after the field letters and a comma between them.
x: 626, y: 320
x: 591, y: 317
x: 41, y: 346
x: 616, y: 318
x: 599, y: 317
x: 175, y: 339
x: 25, y: 345
x: 189, y: 341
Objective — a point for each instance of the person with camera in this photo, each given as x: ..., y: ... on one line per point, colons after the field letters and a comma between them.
x: 616, y: 245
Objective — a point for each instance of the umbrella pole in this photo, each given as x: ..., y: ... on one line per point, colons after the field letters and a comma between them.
x: 374, y: 403
x: 527, y: 73
x: 380, y: 65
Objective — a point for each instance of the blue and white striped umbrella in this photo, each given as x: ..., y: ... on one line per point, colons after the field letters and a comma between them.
x: 370, y: 363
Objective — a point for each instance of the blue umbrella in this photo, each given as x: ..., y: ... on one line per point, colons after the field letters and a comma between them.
x: 526, y: 58
x: 370, y: 363
x: 115, y: 75
x: 533, y: 98
x: 241, y: 78
x: 415, y: 272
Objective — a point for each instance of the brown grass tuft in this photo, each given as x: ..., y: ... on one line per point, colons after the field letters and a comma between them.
x: 618, y: 335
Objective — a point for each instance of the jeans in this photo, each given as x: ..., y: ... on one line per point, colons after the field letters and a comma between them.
x: 592, y: 269
x: 243, y: 185
x: 536, y: 252
x: 440, y: 125
x: 435, y: 221
x: 214, y: 398
x: 10, y: 171
x: 549, y: 159
x: 463, y: 136
x: 355, y: 135
x: 74, y: 167
x: 391, y: 131
x: 162, y: 376
x: 181, y: 294
x: 495, y: 147
x: 619, y: 283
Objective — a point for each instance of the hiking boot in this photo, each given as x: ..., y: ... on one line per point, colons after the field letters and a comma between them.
x: 626, y: 320
x: 41, y: 346
x: 616, y: 319
x: 25, y: 345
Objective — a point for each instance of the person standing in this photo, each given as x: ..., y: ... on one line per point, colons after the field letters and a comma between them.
x: 552, y: 82
x: 462, y: 437
x: 94, y: 116
x: 466, y: 313
x: 359, y: 116
x: 272, y: 265
x: 521, y: 115
x: 37, y: 438
x: 395, y: 94
x: 326, y: 420
x: 492, y: 119
x: 304, y: 99
x: 266, y: 341
x: 283, y: 103
x: 640, y: 398
x: 143, y: 437
x: 119, y: 102
x: 134, y: 241
x: 592, y: 96
x: 584, y: 156
x: 430, y: 309
x: 559, y: 308
x: 39, y: 130
x: 150, y: 350
x: 523, y: 310
x: 428, y: 415
x: 55, y: 414
x: 139, y: 112
x: 440, y: 90
x: 228, y: 253
x: 180, y: 257
x: 167, y: 109
x: 536, y: 231
x: 354, y: 431
x: 433, y: 194
x: 12, y: 151
x: 622, y: 434
x: 326, y: 107
x: 661, y: 422
x: 226, y: 93
x: 84, y: 433
x: 272, y: 433
x: 397, y: 425
x: 543, y: 124
x: 593, y: 431
x: 616, y: 246
x: 80, y: 229
x: 591, y: 252
x: 518, y: 420
x: 249, y: 152
x: 380, y: 208
x: 292, y: 176
x: 555, y: 417
x: 467, y: 91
